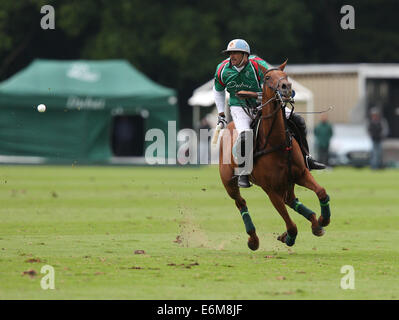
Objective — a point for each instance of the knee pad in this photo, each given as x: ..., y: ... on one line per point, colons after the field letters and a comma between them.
x: 243, y: 153
x: 243, y: 138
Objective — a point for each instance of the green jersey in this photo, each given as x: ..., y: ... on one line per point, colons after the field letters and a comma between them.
x: 250, y: 78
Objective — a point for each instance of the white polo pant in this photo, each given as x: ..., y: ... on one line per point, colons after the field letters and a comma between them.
x: 242, y: 123
x: 241, y: 120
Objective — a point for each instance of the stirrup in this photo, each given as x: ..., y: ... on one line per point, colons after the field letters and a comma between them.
x: 313, y: 164
x: 243, y: 181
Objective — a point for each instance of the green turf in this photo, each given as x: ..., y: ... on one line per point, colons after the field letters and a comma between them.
x: 87, y: 222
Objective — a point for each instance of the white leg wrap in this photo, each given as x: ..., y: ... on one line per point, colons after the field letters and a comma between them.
x: 242, y: 122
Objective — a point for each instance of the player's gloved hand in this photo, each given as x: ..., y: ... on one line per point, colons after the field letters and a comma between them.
x: 222, y: 120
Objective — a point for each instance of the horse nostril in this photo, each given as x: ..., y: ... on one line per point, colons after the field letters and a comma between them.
x: 286, y: 86
x: 286, y: 89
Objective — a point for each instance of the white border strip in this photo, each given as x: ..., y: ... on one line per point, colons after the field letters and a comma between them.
x: 22, y: 160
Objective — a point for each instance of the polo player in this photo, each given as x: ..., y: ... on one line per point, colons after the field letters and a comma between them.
x: 241, y: 72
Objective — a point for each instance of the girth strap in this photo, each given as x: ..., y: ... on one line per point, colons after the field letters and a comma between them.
x: 267, y: 151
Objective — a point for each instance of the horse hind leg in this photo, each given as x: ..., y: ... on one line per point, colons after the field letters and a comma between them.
x: 253, y: 240
x: 234, y: 192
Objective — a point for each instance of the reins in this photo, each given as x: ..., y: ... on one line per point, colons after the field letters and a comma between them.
x: 281, y: 105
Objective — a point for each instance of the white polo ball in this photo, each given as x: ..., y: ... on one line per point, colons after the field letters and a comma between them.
x: 41, y: 108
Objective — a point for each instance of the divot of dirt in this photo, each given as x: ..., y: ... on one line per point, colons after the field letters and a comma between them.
x: 188, y: 266
x: 32, y: 273
x: 33, y: 260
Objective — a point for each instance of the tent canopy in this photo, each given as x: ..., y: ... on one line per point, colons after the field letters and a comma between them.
x: 112, y: 82
x: 81, y: 97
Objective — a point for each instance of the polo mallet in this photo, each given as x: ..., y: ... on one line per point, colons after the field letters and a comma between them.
x: 315, y: 112
x: 216, y: 134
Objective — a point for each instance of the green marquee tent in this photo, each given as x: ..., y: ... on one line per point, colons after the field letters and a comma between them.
x: 83, y: 99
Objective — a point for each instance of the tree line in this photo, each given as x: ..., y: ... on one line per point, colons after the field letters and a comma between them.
x: 178, y: 43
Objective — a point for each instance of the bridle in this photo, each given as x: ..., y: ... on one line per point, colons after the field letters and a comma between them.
x: 277, y: 96
x: 282, y: 102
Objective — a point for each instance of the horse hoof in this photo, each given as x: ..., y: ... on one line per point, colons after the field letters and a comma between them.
x: 318, y: 231
x: 287, y: 239
x: 253, y: 241
x: 323, y: 222
x: 282, y: 237
x: 290, y: 241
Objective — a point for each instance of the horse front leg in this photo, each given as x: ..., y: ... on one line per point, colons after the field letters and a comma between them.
x: 293, y: 202
x: 308, y: 181
x: 289, y: 236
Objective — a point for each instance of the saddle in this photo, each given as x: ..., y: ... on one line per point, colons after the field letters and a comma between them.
x: 292, y: 129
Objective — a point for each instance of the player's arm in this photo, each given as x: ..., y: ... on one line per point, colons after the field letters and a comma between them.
x: 220, y: 99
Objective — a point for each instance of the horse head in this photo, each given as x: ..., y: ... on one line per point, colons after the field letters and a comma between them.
x: 276, y: 83
x: 277, y: 91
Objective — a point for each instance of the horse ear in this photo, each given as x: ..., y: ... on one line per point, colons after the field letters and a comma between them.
x: 281, y: 67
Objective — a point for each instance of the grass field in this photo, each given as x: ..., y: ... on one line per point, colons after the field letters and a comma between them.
x: 90, y: 224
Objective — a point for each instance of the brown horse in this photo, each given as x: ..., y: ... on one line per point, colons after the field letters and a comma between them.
x: 280, y: 164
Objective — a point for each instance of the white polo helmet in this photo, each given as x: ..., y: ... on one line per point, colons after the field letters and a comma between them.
x: 238, y: 45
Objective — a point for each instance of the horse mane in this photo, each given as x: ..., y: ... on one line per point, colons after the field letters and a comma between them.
x: 281, y: 67
x: 263, y: 69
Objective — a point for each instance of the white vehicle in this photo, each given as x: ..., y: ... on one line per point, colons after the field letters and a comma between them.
x: 350, y: 145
